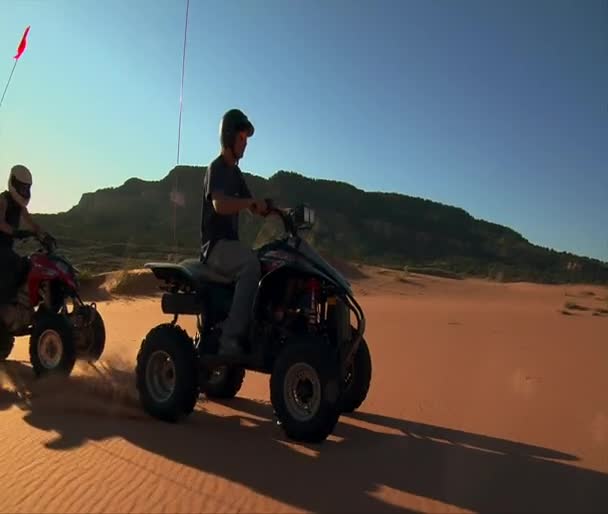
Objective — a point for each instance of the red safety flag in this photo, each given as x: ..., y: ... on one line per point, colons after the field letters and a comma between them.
x: 23, y: 44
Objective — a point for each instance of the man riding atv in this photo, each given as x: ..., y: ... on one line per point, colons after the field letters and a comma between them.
x: 13, y: 210
x: 225, y: 195
x: 282, y: 310
x: 36, y: 292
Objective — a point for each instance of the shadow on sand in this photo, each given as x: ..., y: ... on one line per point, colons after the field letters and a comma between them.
x: 466, y: 470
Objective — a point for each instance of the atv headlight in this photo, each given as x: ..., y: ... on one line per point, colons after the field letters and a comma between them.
x: 309, y: 215
x: 304, y: 216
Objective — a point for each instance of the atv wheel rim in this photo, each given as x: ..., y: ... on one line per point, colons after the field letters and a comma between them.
x: 50, y: 349
x: 302, y: 392
x: 160, y: 376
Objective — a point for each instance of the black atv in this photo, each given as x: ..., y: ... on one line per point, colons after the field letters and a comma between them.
x: 301, y: 334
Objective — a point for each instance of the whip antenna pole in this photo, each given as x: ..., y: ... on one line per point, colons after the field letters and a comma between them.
x: 177, y: 197
x: 8, y: 83
x: 181, y: 93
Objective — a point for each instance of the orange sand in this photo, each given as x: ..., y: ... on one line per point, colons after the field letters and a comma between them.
x: 485, y: 397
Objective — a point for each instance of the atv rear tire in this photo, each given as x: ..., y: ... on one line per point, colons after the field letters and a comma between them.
x: 224, y: 382
x: 168, y: 347
x: 306, y: 373
x: 359, y: 378
x: 52, y: 349
x: 7, y: 341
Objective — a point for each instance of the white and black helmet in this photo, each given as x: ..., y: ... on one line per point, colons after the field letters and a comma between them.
x: 20, y: 184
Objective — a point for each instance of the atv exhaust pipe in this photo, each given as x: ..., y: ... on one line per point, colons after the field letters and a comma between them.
x: 181, y: 303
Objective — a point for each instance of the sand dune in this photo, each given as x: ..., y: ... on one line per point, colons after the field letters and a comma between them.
x: 485, y: 397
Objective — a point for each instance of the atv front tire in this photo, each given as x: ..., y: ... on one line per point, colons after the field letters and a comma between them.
x: 7, y: 341
x: 224, y: 382
x: 166, y: 373
x: 52, y: 349
x: 97, y: 331
x: 358, y: 379
x: 305, y: 393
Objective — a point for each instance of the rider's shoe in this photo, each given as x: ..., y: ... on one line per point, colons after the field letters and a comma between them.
x: 229, y: 345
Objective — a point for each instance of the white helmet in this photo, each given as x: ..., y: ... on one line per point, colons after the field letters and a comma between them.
x: 19, y: 184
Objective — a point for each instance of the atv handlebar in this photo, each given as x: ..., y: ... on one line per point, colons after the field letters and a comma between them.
x: 290, y: 217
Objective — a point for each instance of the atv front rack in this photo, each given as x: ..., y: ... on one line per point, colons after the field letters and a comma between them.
x: 351, y: 350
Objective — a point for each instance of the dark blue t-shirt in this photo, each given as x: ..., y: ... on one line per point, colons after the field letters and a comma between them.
x: 229, y: 180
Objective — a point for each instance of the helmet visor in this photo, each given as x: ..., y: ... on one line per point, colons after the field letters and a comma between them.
x: 22, y: 188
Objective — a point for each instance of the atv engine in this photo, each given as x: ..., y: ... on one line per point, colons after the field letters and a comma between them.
x: 290, y: 308
x: 301, y: 304
x: 304, y: 305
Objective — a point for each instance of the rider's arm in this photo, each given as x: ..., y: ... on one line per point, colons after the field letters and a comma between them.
x: 27, y: 217
x: 4, y: 226
x: 229, y: 205
x: 223, y: 201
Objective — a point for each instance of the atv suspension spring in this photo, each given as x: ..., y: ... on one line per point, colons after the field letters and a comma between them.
x: 313, y: 288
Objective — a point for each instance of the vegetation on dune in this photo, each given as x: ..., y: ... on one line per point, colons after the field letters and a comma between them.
x: 134, y: 223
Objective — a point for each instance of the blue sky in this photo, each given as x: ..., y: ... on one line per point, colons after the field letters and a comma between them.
x: 500, y: 108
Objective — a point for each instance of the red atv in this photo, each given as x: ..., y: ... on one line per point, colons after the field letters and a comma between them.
x: 58, y: 335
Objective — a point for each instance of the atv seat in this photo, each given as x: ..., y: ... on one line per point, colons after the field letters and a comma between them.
x: 189, y: 270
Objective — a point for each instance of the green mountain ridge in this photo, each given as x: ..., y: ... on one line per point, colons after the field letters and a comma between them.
x: 115, y: 227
